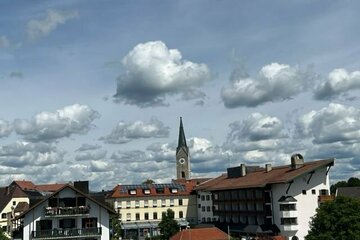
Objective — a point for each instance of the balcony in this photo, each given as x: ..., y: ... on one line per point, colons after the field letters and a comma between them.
x: 288, y: 214
x: 325, y: 198
x: 67, y: 233
x: 67, y: 211
x: 288, y: 228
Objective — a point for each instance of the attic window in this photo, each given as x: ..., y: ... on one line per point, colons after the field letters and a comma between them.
x: 147, y: 191
x: 132, y: 192
x: 160, y: 190
x: 174, y: 190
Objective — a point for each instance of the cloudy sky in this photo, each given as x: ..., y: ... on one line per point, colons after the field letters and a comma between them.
x: 93, y: 90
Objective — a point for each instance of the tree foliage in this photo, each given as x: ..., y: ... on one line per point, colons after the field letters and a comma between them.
x: 336, y: 220
x: 2, y: 235
x: 351, y: 182
x: 168, y: 225
x: 116, y: 227
x: 148, y: 181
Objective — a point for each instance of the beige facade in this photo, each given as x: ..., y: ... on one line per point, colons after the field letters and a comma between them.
x: 8, y: 212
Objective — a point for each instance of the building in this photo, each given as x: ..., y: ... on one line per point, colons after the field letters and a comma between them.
x: 209, y: 233
x: 18, y: 196
x: 140, y: 207
x: 353, y: 192
x: 182, y: 156
x: 269, y: 201
x: 66, y: 214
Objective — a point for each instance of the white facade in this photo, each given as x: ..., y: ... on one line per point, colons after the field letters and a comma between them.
x: 294, y: 216
x: 92, y: 223
x: 8, y: 212
x: 205, y: 207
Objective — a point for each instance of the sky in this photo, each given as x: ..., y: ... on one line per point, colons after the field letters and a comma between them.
x: 93, y: 90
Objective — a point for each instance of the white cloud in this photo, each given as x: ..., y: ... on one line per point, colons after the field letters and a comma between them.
x: 5, y: 128
x: 152, y: 71
x: 40, y: 28
x: 4, y: 42
x: 338, y: 82
x: 275, y: 82
x: 22, y: 154
x: 334, y: 123
x: 49, y: 126
x: 91, y: 155
x: 99, y: 166
x: 86, y: 147
x: 125, y: 132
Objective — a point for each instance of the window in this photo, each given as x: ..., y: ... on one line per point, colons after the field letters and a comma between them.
x: 89, y: 222
x: 132, y: 192
x: 202, y: 198
x: 207, y: 197
x: 137, y: 204
x: 203, y: 219
x: 120, y: 216
x: 208, y: 219
x: 163, y: 203
x: 146, y: 203
x: 3, y: 216
x: 304, y: 192
x: 137, y: 216
x: 146, y: 216
x: 288, y: 221
x: 155, y: 215
x: 171, y: 202
x: 181, y: 214
x: 324, y: 192
x: 128, y: 217
x: 14, y: 203
x: 313, y: 191
x: 67, y: 223
x: 160, y: 190
x: 174, y: 190
x: 146, y: 191
x: 45, y: 225
x: 199, y: 205
x: 294, y: 238
x: 208, y: 209
x: 128, y: 204
x: 203, y: 208
x: 154, y: 203
x: 180, y: 202
x: 287, y: 207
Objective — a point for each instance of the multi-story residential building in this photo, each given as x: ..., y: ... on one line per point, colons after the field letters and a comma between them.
x: 140, y: 207
x: 18, y: 196
x: 259, y: 201
x: 205, y: 207
x: 66, y: 214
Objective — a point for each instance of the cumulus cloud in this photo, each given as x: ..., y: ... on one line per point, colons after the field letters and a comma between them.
x: 21, y: 154
x: 338, y: 82
x: 91, y: 155
x: 152, y: 71
x: 334, y: 123
x: 5, y: 128
x: 4, y: 42
x: 50, y: 126
x: 99, y: 166
x: 42, y: 27
x: 86, y: 147
x: 126, y: 132
x: 274, y: 82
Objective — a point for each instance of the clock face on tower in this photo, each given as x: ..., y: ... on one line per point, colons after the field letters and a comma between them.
x: 182, y: 160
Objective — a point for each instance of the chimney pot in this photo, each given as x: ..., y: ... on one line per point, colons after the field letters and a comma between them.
x: 268, y: 167
x: 243, y: 170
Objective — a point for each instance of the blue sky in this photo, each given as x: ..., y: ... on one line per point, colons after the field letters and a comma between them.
x: 94, y: 89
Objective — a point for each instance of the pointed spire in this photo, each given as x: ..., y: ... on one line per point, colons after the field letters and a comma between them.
x: 182, y: 139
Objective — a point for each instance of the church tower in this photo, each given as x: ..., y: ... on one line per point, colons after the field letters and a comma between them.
x: 182, y: 156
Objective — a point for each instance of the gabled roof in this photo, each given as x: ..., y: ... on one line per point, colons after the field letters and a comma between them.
x: 109, y: 209
x: 8, y: 193
x: 28, y: 185
x: 261, y: 178
x: 25, y: 185
x: 353, y: 192
x: 209, y: 233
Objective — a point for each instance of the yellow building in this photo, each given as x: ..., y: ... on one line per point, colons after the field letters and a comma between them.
x: 140, y: 207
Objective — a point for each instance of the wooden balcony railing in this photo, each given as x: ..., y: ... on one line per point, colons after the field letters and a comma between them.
x: 66, y: 211
x: 325, y: 198
x: 64, y: 233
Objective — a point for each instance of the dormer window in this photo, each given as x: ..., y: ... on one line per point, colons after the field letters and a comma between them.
x: 160, y: 190
x: 147, y: 191
x: 132, y: 192
x: 174, y: 190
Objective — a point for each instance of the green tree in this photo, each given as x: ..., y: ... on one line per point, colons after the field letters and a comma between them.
x: 148, y: 181
x: 168, y: 225
x: 116, y: 227
x: 2, y: 235
x: 336, y: 220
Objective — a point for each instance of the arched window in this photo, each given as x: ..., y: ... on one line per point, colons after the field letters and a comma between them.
x: 294, y: 238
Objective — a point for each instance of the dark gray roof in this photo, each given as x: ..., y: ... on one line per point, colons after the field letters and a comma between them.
x: 182, y: 139
x: 353, y: 192
x: 287, y: 199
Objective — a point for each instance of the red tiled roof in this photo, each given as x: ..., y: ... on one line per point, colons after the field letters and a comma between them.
x: 260, y: 178
x: 211, y: 233
x: 25, y: 185
x: 8, y: 193
x: 120, y: 191
x: 49, y: 187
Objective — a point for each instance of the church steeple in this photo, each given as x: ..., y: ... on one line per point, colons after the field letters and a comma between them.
x: 182, y: 139
x: 182, y: 155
